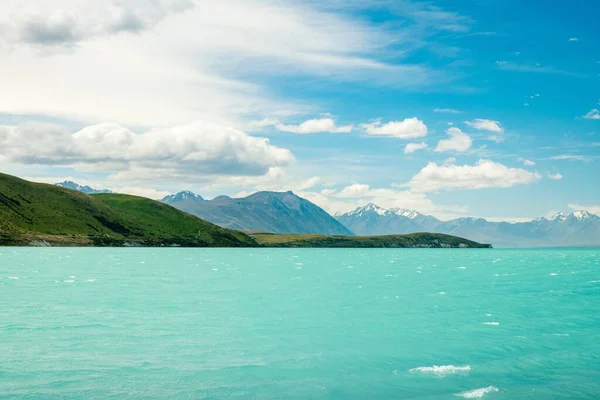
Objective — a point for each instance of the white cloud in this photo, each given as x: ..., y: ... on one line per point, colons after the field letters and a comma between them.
x: 66, y: 23
x: 350, y: 197
x: 356, y: 190
x: 593, y: 209
x: 573, y: 39
x: 412, y: 147
x: 555, y: 177
x: 527, y: 163
x: 459, y: 141
x: 165, y: 62
x: 147, y: 192
x: 593, y: 114
x: 484, y: 174
x: 486, y: 125
x: 446, y: 111
x: 307, y: 183
x: 409, y: 128
x: 315, y: 126
x: 173, y: 152
x: 570, y: 157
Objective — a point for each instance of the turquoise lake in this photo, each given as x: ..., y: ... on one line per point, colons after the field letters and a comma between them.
x: 299, y: 324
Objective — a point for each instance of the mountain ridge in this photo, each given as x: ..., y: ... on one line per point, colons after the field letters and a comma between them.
x: 579, y: 227
x: 266, y: 211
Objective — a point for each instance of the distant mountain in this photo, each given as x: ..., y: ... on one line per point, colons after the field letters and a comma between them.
x: 374, y: 220
x: 84, y: 189
x: 579, y: 228
x: 274, y: 212
x: 182, y: 197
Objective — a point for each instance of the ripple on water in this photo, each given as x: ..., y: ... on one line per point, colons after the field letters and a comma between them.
x: 442, y: 370
x: 477, y: 393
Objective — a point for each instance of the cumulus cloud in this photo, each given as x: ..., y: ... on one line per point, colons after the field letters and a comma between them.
x: 350, y: 197
x: 446, y: 111
x: 412, y: 147
x: 484, y: 174
x: 555, y: 177
x: 356, y: 190
x: 459, y: 141
x: 486, y: 125
x: 166, y: 62
x: 409, y: 128
x: 47, y: 24
x: 573, y: 39
x: 186, y: 150
x: 315, y: 126
x: 593, y: 114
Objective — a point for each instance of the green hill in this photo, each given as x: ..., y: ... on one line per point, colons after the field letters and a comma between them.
x: 40, y: 213
x: 412, y: 240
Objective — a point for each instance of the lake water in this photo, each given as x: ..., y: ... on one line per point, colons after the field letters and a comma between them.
x: 299, y: 324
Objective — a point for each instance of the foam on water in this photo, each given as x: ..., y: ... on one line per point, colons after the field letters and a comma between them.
x: 442, y: 370
x: 477, y: 393
x: 492, y: 323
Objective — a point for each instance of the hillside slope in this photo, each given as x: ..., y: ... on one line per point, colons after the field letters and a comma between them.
x: 274, y: 212
x: 39, y: 212
x: 413, y: 240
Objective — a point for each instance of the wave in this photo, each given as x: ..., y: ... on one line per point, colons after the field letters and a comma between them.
x: 442, y: 370
x: 491, y: 323
x: 477, y: 393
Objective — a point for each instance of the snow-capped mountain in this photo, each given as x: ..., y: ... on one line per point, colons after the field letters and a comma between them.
x: 185, y: 195
x: 375, y: 220
x: 374, y: 208
x: 579, y: 228
x: 84, y: 189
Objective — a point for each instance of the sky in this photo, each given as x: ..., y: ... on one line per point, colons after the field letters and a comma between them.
x: 452, y: 107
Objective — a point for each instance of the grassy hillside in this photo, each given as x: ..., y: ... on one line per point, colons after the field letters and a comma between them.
x: 416, y: 240
x: 39, y: 212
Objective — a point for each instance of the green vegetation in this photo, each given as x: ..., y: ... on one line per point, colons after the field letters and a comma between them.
x: 40, y: 214
x: 417, y: 240
x: 46, y: 214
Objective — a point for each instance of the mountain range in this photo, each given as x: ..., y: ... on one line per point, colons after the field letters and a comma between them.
x: 273, y: 212
x: 38, y: 214
x: 287, y: 213
x: 579, y: 228
x: 84, y: 189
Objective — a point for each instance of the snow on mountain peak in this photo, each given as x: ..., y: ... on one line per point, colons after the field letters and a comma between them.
x: 368, y: 208
x: 579, y: 215
x: 403, y: 212
x: 582, y: 215
x: 182, y: 196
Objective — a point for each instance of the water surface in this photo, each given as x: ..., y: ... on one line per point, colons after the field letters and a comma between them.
x: 299, y: 324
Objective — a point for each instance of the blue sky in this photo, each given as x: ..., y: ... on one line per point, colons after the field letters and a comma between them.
x: 497, y: 100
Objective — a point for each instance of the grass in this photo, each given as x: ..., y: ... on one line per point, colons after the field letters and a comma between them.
x: 34, y: 211
x: 418, y: 240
